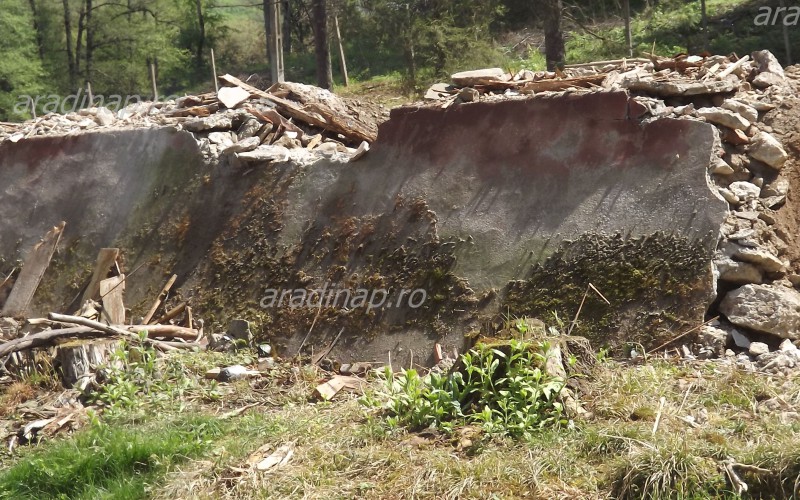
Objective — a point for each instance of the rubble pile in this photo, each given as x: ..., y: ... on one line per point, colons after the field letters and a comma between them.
x: 289, y: 121
x: 756, y: 286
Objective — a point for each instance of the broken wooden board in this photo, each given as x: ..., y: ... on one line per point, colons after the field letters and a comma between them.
x: 555, y: 85
x: 161, y: 296
x: 331, y: 388
x: 682, y: 88
x: 349, y: 127
x: 105, y: 259
x: 30, y: 276
x: 111, y: 293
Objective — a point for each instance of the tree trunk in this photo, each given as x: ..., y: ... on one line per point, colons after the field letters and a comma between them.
x: 322, y: 47
x: 626, y: 6
x: 89, y: 40
x: 786, y: 43
x: 37, y: 29
x: 287, y: 27
x: 554, y: 51
x: 79, y: 359
x: 79, y: 40
x: 704, y: 22
x: 201, y: 24
x: 68, y: 35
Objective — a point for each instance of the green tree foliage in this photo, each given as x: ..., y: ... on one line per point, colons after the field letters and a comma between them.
x: 21, y: 72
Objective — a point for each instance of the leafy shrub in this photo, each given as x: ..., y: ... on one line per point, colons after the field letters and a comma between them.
x: 502, y: 388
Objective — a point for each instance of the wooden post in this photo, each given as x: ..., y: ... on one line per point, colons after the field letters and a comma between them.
x: 786, y: 36
x: 626, y: 5
x: 214, y: 70
x: 153, y: 81
x: 341, y: 49
x: 275, y: 40
x: 89, y: 91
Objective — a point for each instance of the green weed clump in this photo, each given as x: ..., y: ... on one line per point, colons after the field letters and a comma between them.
x: 504, y: 389
x: 107, y: 462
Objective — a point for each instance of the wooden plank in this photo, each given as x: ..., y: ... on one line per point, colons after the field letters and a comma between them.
x: 161, y: 296
x: 105, y: 259
x: 33, y: 269
x: 319, y: 117
x: 113, y: 305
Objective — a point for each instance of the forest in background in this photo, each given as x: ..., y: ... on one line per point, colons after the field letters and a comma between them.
x: 54, y: 47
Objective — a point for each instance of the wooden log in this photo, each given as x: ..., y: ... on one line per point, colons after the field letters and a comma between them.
x: 554, y: 85
x: 80, y: 359
x: 33, y: 269
x: 348, y: 126
x: 161, y: 296
x: 113, y: 330
x: 113, y: 306
x: 105, y: 259
x: 46, y: 338
x: 167, y: 331
x: 171, y: 314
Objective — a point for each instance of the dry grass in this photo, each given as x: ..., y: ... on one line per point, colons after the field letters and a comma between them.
x: 17, y: 392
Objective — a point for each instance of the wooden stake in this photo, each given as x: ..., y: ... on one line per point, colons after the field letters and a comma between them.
x: 105, y: 259
x: 341, y: 50
x: 33, y: 269
x: 214, y: 70
x: 161, y: 297
x: 89, y: 91
x: 153, y: 81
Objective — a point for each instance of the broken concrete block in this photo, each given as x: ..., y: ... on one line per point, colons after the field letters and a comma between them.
x: 479, y: 77
x: 764, y: 308
x: 765, y: 148
x: 724, y: 117
x: 747, y: 112
x: 231, y: 97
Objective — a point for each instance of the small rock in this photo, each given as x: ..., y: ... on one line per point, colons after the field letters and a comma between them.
x: 787, y: 345
x: 249, y: 128
x: 741, y: 273
x: 749, y: 113
x: 222, y: 139
x: 231, y: 97
x: 264, y: 350
x: 794, y: 279
x: 265, y: 364
x: 104, y: 117
x: 767, y: 149
x: 217, y: 121
x: 739, y: 339
x: 247, y: 144
x: 720, y: 167
x: 724, y: 117
x: 768, y: 216
x: 468, y: 94
x: 745, y: 191
x: 230, y: 373
x: 729, y: 196
x: 760, y: 258
x: 764, y: 80
x: 758, y: 348
x: 764, y: 308
x: 239, y: 331
x: 734, y: 136
x: 714, y: 337
x: 778, y: 187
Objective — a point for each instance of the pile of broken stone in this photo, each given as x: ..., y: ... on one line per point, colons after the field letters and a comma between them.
x: 288, y: 122
x: 757, y: 300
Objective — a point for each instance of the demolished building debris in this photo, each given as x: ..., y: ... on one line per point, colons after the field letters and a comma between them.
x: 658, y: 180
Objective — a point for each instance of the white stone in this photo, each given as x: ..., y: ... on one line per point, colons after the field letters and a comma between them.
x: 720, y: 167
x: 222, y: 139
x: 758, y: 348
x: 231, y: 97
x: 741, y: 273
x: 724, y: 117
x: 760, y: 258
x: 764, y: 308
x: 729, y: 196
x: 765, y: 148
x: 749, y: 113
x: 745, y: 191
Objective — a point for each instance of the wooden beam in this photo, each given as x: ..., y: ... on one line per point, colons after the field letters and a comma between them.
x: 113, y: 306
x: 161, y: 296
x: 105, y: 259
x: 317, y: 117
x: 33, y: 270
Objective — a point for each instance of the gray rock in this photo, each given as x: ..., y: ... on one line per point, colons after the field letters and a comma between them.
x: 764, y: 80
x: 247, y: 144
x: 739, y: 339
x: 468, y: 94
x: 747, y: 112
x: 222, y: 139
x: 787, y: 345
x: 218, y: 121
x: 761, y: 258
x: 239, y: 331
x: 764, y: 308
x: 249, y: 128
x: 104, y: 117
x: 230, y: 373
x: 729, y: 196
x: 9, y: 327
x: 715, y: 338
x: 741, y: 273
x: 265, y: 153
x: 765, y: 148
x: 720, y: 167
x: 745, y: 191
x: 758, y: 348
x: 724, y: 117
x: 479, y: 77
x: 770, y: 71
x: 778, y: 187
x: 265, y: 364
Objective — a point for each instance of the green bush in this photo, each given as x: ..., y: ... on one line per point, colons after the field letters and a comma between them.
x: 502, y: 388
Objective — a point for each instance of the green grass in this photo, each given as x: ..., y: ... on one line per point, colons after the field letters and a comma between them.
x: 107, y: 462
